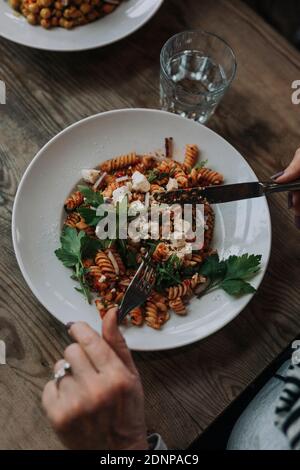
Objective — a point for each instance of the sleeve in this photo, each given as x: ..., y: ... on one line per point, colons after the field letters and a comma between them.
x: 288, y: 407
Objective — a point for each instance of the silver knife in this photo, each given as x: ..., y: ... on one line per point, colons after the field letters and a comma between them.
x: 225, y: 193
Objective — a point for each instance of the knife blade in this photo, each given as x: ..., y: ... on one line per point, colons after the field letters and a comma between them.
x: 225, y: 193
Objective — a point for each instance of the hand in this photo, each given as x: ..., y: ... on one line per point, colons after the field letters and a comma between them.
x: 100, y: 405
x: 292, y: 173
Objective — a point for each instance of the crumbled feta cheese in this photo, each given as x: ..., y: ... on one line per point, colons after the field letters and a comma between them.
x: 102, y: 278
x: 187, y: 250
x: 182, y: 226
x: 140, y: 182
x: 121, y: 179
x: 113, y: 262
x: 172, y: 184
x: 135, y: 208
x: 120, y: 193
x: 90, y: 176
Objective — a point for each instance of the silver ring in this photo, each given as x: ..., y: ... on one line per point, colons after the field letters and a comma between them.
x: 62, y: 372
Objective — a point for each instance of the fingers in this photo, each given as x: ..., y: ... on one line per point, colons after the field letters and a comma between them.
x: 80, y: 364
x: 292, y: 172
x: 112, y: 335
x: 100, y: 354
x: 66, y: 383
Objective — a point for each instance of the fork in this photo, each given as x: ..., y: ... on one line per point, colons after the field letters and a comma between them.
x: 139, y: 289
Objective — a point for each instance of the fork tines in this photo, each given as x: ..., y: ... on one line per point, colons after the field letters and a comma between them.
x: 139, y: 288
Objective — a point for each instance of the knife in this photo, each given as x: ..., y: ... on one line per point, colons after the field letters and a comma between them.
x: 225, y: 193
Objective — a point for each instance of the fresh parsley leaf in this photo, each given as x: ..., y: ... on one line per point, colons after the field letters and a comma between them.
x: 90, y: 246
x: 213, y: 267
x: 237, y: 287
x: 94, y: 198
x: 89, y: 216
x: 156, y: 175
x: 71, y: 240
x: 152, y: 176
x: 167, y: 273
x: 68, y: 259
x: 231, y: 274
x: 200, y: 165
x: 242, y: 267
x: 71, y: 253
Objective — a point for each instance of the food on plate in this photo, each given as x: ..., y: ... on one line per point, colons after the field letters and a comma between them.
x: 104, y: 262
x: 64, y: 13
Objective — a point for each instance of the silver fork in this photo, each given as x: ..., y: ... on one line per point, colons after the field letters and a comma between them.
x: 138, y: 290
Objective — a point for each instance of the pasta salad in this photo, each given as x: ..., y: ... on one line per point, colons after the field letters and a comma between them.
x: 105, y: 266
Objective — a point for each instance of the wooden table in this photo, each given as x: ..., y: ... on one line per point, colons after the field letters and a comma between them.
x: 185, y: 389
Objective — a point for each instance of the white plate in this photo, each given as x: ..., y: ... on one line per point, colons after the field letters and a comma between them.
x: 241, y: 227
x: 126, y: 19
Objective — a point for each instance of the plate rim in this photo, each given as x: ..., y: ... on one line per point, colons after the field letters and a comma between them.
x: 68, y: 129
x: 89, y: 48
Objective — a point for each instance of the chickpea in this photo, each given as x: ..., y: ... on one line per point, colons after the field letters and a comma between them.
x: 15, y: 4
x: 76, y: 14
x: 58, y: 5
x: 44, y: 3
x: 65, y: 23
x: 85, y: 8
x: 54, y: 21
x: 33, y: 8
x: 45, y: 13
x: 69, y: 24
x: 93, y: 16
x: 58, y: 14
x: 31, y: 18
x: 108, y: 8
x: 69, y: 12
x: 81, y: 20
x: 46, y: 23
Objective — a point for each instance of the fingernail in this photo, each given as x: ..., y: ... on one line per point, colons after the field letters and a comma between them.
x: 68, y: 325
x: 297, y: 221
x: 290, y: 200
x: 274, y: 177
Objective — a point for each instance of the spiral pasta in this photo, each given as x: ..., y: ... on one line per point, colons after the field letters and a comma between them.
x: 119, y: 162
x: 109, y: 271
x: 180, y: 290
x: 136, y: 316
x: 191, y: 156
x: 72, y: 220
x: 104, y: 264
x: 178, y: 306
x: 209, y: 177
x: 74, y: 201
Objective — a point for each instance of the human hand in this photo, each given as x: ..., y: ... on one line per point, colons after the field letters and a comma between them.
x: 100, y: 405
x: 292, y: 173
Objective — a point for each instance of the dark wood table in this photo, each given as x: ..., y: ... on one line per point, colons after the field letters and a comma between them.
x: 188, y: 388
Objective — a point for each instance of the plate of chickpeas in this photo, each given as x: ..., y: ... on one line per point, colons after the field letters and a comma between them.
x: 72, y: 25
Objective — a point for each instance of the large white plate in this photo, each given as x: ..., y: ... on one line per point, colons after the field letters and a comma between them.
x: 126, y: 19
x: 241, y: 227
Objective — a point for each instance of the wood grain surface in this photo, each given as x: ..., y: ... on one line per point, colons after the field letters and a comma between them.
x: 185, y: 389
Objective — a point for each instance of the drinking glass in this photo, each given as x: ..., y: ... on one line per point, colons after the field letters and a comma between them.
x: 196, y: 70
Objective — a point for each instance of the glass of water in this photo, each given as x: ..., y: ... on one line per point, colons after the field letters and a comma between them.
x: 196, y: 69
